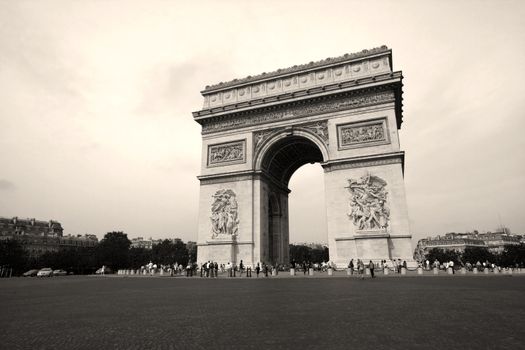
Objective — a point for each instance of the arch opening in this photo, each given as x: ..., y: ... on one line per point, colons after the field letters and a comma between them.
x: 279, y: 159
x: 287, y: 155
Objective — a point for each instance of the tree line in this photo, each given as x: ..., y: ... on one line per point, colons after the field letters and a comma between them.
x: 511, y: 256
x: 300, y: 253
x: 113, y: 251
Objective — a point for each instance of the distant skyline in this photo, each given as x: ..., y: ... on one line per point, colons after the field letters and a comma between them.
x: 96, y: 129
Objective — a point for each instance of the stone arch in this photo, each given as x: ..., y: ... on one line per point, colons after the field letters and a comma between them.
x: 287, y: 150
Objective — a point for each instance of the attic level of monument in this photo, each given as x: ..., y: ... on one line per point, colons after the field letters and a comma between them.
x: 330, y: 61
x: 297, y: 105
x: 340, y: 84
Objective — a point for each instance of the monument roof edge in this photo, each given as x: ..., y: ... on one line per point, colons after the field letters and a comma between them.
x: 298, y: 68
x: 343, y: 87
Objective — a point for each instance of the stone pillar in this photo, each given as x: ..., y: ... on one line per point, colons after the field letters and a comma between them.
x: 386, y: 271
x: 330, y: 272
x: 436, y: 271
x: 403, y: 271
x: 463, y: 271
x: 419, y: 270
x: 292, y: 272
x: 311, y: 271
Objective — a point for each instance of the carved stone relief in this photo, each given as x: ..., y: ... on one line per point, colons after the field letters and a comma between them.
x: 224, y: 215
x: 224, y: 153
x: 298, y: 111
x: 319, y: 128
x: 368, y: 203
x: 362, y: 134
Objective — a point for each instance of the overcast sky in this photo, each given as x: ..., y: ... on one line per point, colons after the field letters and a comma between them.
x: 96, y: 129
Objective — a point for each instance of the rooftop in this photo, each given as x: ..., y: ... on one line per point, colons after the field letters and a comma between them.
x: 326, y: 62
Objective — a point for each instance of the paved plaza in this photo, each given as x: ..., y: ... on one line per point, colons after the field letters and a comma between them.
x: 117, y: 312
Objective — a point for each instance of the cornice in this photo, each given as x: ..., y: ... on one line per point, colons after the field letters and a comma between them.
x: 299, y: 68
x: 364, y: 97
x: 365, y: 161
x: 351, y: 86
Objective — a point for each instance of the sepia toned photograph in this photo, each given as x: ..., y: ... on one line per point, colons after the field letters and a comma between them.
x: 262, y: 174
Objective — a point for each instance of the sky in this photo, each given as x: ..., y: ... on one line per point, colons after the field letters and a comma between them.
x: 96, y: 129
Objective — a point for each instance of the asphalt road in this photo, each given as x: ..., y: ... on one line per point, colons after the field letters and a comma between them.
x: 87, y: 312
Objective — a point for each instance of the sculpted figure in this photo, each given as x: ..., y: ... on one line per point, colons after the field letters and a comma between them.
x: 224, y: 219
x: 368, y: 203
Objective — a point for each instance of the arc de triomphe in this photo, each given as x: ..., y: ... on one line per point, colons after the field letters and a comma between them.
x: 343, y: 113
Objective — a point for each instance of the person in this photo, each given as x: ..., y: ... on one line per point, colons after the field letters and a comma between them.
x: 451, y: 265
x: 360, y: 268
x: 257, y: 269
x: 216, y: 267
x: 351, y: 266
x: 304, y: 267
x: 103, y: 270
x: 265, y: 270
x: 371, y: 267
x: 241, y: 268
x: 229, y: 268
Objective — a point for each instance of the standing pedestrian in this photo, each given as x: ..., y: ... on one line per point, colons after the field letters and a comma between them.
x: 371, y: 267
x: 351, y: 266
x: 258, y: 269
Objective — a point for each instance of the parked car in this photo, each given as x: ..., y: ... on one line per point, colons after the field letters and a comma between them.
x: 45, y: 272
x: 106, y: 271
x: 30, y: 273
x: 59, y: 272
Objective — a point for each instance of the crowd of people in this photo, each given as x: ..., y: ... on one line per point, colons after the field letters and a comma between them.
x: 212, y: 269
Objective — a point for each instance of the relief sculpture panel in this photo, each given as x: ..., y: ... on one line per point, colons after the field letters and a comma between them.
x: 368, y: 203
x: 226, y: 153
x: 224, y: 215
x: 362, y: 134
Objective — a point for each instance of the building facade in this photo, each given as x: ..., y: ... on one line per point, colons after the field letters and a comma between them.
x: 39, y: 237
x: 495, y: 242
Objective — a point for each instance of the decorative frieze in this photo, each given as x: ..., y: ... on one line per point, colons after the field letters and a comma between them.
x: 362, y: 134
x: 227, y: 153
x: 320, y: 128
x: 368, y: 203
x: 297, y: 111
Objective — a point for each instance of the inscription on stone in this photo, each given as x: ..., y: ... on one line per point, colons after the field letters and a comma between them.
x: 368, y: 203
x: 231, y: 152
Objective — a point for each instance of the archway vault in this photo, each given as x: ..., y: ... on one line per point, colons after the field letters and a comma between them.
x: 343, y: 113
x: 286, y: 151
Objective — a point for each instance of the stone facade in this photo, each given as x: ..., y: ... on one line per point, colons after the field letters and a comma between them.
x: 39, y: 237
x: 343, y: 113
x: 495, y: 242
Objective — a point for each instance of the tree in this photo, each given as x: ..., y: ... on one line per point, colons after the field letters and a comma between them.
x: 301, y: 253
x: 512, y: 255
x: 13, y: 255
x: 138, y: 257
x: 475, y: 254
x: 442, y: 255
x: 113, y: 249
x: 168, y: 252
